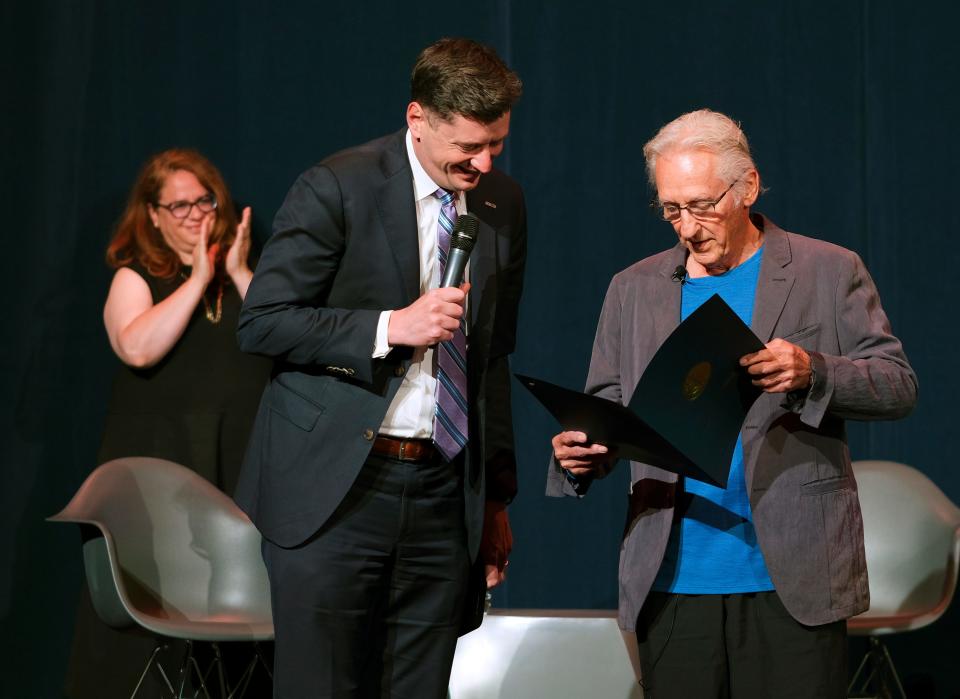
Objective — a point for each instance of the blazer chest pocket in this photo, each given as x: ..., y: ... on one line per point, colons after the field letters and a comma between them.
x: 799, y: 337
x: 294, y: 407
x: 827, y: 485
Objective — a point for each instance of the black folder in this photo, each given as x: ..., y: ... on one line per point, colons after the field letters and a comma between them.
x: 687, y: 410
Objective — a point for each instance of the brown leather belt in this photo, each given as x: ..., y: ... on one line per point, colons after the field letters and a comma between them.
x: 416, y: 450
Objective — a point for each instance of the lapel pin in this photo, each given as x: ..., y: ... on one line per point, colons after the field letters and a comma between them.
x: 490, y: 204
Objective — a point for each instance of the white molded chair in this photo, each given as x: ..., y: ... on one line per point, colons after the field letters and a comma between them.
x: 167, y: 551
x: 912, y: 537
x: 543, y: 653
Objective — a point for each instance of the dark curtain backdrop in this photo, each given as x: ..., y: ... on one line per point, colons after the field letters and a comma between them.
x: 851, y: 109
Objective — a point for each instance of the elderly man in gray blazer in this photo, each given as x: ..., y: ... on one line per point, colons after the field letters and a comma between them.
x: 743, y: 591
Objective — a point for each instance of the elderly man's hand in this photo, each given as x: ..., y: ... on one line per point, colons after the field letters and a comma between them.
x: 579, y: 456
x: 779, y: 368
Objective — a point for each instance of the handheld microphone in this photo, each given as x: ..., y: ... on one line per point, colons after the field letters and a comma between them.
x: 462, y: 240
x: 679, y: 274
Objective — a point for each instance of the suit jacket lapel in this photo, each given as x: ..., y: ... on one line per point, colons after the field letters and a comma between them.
x: 665, y: 296
x: 775, y: 282
x: 483, y: 258
x: 398, y: 214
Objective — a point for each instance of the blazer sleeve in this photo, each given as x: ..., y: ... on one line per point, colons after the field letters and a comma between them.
x: 871, y: 378
x: 603, y: 380
x: 284, y: 315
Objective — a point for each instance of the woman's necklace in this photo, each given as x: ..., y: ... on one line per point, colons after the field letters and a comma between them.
x: 212, y: 315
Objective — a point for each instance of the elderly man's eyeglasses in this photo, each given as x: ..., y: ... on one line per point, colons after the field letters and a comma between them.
x: 704, y: 209
x: 181, y: 209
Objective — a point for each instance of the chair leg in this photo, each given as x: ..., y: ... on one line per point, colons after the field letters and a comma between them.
x: 263, y: 661
x: 152, y: 660
x: 190, y: 663
x: 893, y: 670
x: 203, y: 685
x: 878, y: 672
x: 184, y: 668
x: 213, y: 664
x: 240, y: 689
x: 218, y: 661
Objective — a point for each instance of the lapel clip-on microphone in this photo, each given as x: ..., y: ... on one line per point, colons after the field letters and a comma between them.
x: 679, y: 274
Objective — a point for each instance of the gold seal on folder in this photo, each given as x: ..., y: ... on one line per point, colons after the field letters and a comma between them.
x: 696, y: 380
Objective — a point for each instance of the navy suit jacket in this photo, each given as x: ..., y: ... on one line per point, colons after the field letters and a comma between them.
x: 344, y: 248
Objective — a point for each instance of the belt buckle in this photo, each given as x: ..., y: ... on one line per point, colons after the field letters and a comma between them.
x: 403, y: 450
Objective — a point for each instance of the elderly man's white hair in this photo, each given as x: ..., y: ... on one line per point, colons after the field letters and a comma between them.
x: 705, y: 130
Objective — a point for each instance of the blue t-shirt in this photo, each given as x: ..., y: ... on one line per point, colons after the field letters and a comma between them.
x: 713, y: 549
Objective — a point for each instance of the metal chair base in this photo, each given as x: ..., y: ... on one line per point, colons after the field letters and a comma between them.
x: 876, y: 677
x: 189, y: 673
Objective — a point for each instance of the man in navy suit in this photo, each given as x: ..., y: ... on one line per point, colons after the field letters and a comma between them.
x: 370, y: 522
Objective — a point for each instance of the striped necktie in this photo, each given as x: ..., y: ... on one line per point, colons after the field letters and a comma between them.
x: 450, y: 420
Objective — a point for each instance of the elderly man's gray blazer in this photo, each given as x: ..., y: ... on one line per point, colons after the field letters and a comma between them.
x: 797, y: 465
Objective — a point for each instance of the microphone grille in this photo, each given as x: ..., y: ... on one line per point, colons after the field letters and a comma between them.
x: 465, y: 231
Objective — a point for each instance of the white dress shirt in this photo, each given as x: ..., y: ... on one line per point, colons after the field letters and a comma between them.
x: 411, y: 412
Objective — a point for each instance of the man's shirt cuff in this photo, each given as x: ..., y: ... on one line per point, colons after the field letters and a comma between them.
x: 381, y: 348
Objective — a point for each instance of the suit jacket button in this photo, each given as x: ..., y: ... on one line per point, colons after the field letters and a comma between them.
x: 368, y: 435
x: 399, y: 371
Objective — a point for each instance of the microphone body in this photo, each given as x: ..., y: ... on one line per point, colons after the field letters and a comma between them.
x: 679, y: 274
x: 462, y: 240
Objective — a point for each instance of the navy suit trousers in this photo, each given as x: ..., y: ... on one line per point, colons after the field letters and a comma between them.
x: 370, y: 605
